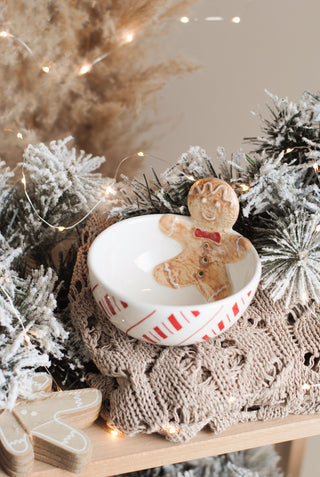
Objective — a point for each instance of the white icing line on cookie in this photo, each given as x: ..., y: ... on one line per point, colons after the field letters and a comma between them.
x: 64, y: 444
x: 217, y: 292
x: 78, y: 400
x: 172, y: 226
x: 69, y: 437
x: 44, y: 382
x: 206, y: 217
x: 213, y: 191
x: 171, y: 280
x: 13, y: 443
x: 238, y: 247
x: 224, y: 193
x: 64, y: 412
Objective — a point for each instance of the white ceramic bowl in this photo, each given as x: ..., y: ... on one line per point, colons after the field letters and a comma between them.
x: 121, y: 262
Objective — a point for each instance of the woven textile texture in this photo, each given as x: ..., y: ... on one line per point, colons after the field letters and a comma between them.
x: 265, y: 366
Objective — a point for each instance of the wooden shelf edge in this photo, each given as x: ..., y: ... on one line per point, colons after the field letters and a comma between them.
x: 112, y: 456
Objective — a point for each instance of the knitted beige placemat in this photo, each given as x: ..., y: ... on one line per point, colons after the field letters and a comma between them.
x: 266, y: 366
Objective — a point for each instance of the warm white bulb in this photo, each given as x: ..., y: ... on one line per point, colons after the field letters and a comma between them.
x: 45, y: 69
x: 184, y: 20
x: 19, y: 135
x: 141, y: 154
x: 315, y: 166
x: 306, y: 387
x: 85, y: 69
x: 110, y: 190
x: 236, y: 20
x: 27, y: 338
x: 23, y: 180
x: 114, y: 432
x: 170, y: 429
x: 4, y: 34
x: 289, y: 149
x: 128, y: 37
x: 244, y: 187
x: 61, y: 228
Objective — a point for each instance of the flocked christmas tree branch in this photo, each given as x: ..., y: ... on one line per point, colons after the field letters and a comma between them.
x: 277, y: 185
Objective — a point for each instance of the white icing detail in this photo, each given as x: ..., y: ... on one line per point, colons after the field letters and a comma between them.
x: 217, y: 204
x: 171, y: 280
x: 212, y: 191
x: 34, y: 413
x: 11, y: 444
x: 62, y: 443
x: 45, y: 380
x: 78, y: 400
x: 68, y: 438
x: 238, y: 247
x: 64, y: 412
x: 206, y: 217
x: 172, y: 226
x: 204, y: 200
x: 217, y: 292
x: 24, y: 412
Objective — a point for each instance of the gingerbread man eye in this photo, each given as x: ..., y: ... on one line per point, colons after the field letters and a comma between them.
x: 204, y: 260
x: 217, y: 204
x: 200, y: 274
x: 204, y: 200
x: 206, y: 245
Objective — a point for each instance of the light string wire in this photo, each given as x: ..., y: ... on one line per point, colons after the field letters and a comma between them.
x: 125, y: 38
x: 109, y: 190
x: 60, y: 228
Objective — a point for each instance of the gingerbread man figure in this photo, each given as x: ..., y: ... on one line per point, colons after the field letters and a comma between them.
x: 208, y: 243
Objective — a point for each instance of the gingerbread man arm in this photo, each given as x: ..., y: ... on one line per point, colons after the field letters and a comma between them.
x: 176, y: 272
x: 176, y: 228
x: 232, y: 248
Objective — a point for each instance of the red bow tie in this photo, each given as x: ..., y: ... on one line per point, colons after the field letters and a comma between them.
x: 215, y: 236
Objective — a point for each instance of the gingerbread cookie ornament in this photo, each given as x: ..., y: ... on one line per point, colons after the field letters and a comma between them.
x: 208, y: 243
x: 46, y: 429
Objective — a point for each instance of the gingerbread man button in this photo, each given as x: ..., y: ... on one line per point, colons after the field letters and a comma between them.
x: 208, y: 243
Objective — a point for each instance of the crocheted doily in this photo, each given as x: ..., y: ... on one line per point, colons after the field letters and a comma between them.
x: 265, y: 366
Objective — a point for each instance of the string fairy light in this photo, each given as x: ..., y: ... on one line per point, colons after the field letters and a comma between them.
x: 6, y: 34
x: 240, y: 187
x: 231, y: 399
x: 210, y: 19
x: 139, y: 155
x: 113, y: 431
x: 170, y: 429
x: 126, y: 38
x: 60, y: 228
x: 307, y: 386
x: 109, y: 191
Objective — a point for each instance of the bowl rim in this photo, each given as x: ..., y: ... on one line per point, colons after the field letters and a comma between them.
x: 254, y: 282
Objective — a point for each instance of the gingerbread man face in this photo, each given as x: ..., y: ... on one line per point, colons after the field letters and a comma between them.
x: 213, y: 204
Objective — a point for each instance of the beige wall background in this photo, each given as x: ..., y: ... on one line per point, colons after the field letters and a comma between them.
x: 275, y: 47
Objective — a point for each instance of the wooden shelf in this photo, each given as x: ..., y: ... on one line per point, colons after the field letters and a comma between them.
x: 112, y: 456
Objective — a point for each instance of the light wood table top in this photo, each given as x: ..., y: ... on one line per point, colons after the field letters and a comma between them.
x: 115, y: 455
